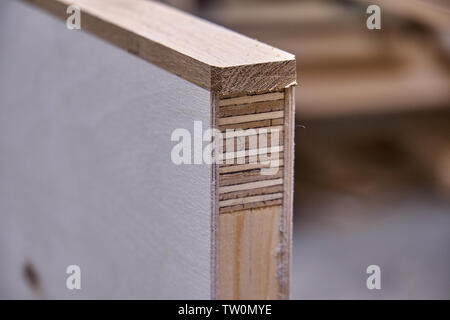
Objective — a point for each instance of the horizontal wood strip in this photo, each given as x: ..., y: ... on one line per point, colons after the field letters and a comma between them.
x: 253, y: 205
x: 251, y: 192
x: 246, y: 125
x: 266, y: 197
x: 244, y: 167
x: 246, y: 133
x: 250, y: 185
x: 247, y: 176
x: 252, y: 152
x: 241, y: 143
x: 251, y: 117
x: 250, y: 99
x: 247, y: 160
x: 258, y: 107
x: 276, y: 122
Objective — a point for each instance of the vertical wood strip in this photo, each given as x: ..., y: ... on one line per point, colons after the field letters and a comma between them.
x: 284, y: 265
x: 248, y: 242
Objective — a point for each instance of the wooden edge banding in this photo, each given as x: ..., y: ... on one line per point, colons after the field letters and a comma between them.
x: 254, y: 205
x: 252, y: 99
x: 257, y: 131
x: 263, y: 198
x: 252, y: 117
x: 245, y: 167
x: 284, y: 265
x: 208, y: 55
x: 250, y: 185
x: 278, y: 188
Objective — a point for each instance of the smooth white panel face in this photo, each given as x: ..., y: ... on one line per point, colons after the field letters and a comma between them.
x: 86, y: 175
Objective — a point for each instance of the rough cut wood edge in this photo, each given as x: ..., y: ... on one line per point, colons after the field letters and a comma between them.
x: 210, y: 56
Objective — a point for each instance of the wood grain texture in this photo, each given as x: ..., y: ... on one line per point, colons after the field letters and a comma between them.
x: 252, y: 192
x: 272, y: 96
x: 250, y: 185
x: 254, y: 199
x: 214, y: 205
x: 248, y: 244
x: 245, y: 167
x: 201, y: 52
x: 248, y: 146
x: 251, y: 117
x: 264, y: 106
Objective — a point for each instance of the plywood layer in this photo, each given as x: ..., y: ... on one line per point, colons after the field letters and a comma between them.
x: 246, y: 182
x: 255, y: 208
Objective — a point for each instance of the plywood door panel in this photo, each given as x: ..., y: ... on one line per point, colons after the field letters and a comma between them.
x: 85, y: 171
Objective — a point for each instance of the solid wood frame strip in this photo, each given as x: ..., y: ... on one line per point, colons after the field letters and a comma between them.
x: 276, y: 204
x: 247, y: 241
x: 261, y: 198
x: 285, y: 256
x: 251, y: 192
x: 251, y: 99
x: 238, y: 133
x: 249, y: 160
x: 251, y: 152
x: 199, y: 51
x: 255, y: 107
x: 246, y: 177
x: 251, y: 117
x: 245, y: 167
x: 250, y: 185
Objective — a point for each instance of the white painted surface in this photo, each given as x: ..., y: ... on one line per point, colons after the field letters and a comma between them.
x: 85, y: 170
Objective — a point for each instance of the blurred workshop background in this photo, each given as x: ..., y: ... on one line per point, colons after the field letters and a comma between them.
x: 372, y: 178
